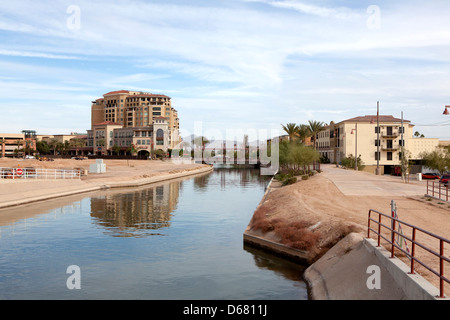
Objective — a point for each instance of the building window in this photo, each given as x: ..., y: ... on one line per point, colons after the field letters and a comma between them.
x: 377, y: 130
x: 377, y: 156
x: 159, y: 137
x: 389, y: 156
x: 377, y: 143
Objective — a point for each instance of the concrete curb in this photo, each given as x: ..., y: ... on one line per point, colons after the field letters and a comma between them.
x: 93, y: 186
x: 342, y: 274
x: 414, y: 285
x: 276, y: 248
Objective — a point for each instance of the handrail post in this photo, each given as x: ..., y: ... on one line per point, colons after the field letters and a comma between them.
x: 368, y: 225
x: 441, y: 269
x: 413, y: 249
x: 379, y: 230
x: 393, y: 238
x: 433, y: 188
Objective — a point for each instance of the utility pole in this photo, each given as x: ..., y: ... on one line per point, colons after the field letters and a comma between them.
x: 356, y: 146
x: 377, y: 171
x: 403, y: 154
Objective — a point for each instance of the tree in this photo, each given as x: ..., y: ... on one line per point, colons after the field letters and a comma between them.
x: 303, y: 132
x: 116, y: 149
x: 349, y: 162
x: 292, y: 130
x: 315, y: 127
x: 54, y: 145
x: 438, y: 159
x: 43, y: 147
x: 200, y: 141
x: 405, y: 163
x: 19, y: 143
x: 77, y: 143
x: 295, y: 157
x: 2, y: 144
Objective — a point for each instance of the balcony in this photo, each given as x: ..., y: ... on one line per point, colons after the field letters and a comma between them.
x: 389, y: 135
x: 390, y: 148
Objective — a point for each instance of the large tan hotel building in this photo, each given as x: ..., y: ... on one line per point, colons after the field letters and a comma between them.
x: 121, y: 118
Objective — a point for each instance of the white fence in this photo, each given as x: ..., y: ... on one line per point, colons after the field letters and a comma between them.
x: 38, y: 173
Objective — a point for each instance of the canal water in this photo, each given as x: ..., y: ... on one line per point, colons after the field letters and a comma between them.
x: 175, y: 240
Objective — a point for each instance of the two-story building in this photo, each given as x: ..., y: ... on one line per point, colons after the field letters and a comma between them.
x: 380, y: 141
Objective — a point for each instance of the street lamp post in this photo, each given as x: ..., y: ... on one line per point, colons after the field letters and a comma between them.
x: 356, y: 145
x: 377, y: 171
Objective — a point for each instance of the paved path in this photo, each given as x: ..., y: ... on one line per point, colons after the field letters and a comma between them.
x: 358, y: 183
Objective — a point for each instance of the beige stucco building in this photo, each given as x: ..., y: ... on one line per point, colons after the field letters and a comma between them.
x: 108, y: 138
x: 15, y: 144
x: 133, y: 109
x: 381, y: 148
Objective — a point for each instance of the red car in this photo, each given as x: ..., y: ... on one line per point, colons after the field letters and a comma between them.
x: 430, y: 176
x: 445, y: 178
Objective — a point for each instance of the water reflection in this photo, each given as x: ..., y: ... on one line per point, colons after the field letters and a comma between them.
x: 136, y: 214
x: 145, y: 212
x: 110, y: 235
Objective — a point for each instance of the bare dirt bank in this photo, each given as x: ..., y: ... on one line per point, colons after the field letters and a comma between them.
x: 313, y: 215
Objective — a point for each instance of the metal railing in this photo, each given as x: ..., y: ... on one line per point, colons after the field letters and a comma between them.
x: 38, y: 173
x: 411, y: 255
x: 437, y: 190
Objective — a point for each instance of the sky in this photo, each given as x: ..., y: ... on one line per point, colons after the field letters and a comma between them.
x: 227, y: 64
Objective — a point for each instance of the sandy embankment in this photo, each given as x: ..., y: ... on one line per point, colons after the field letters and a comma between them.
x: 119, y: 173
x: 324, y: 215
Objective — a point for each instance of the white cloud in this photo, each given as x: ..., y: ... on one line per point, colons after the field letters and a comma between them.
x: 266, y: 57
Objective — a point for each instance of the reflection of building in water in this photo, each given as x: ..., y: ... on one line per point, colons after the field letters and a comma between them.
x: 136, y: 213
x: 246, y: 175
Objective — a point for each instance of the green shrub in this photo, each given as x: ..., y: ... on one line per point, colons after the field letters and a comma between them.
x: 290, y: 180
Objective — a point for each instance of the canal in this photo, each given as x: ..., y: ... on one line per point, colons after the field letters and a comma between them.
x: 175, y: 240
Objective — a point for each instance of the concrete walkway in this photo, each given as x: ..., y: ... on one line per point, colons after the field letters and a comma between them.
x: 360, y: 183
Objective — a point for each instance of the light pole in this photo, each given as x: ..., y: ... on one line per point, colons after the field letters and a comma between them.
x: 377, y: 171
x: 356, y: 145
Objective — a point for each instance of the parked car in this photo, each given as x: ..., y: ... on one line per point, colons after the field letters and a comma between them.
x: 430, y: 176
x: 445, y: 178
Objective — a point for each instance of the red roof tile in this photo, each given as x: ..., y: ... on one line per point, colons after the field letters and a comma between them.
x: 370, y: 118
x: 108, y: 123
x: 116, y: 92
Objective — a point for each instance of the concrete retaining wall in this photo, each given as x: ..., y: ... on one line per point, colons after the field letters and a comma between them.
x: 346, y: 272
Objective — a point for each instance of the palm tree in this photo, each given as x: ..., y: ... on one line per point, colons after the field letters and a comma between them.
x: 315, y: 127
x: 77, y: 143
x: 303, y: 132
x: 291, y: 129
x: 19, y: 144
x: 54, y: 145
x: 2, y: 143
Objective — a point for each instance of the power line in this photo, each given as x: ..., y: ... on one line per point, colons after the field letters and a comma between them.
x: 438, y: 124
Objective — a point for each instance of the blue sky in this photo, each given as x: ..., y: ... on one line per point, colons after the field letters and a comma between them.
x: 234, y: 64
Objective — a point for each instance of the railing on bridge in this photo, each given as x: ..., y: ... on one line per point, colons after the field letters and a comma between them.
x: 38, y: 173
x: 397, y: 238
x: 438, y: 190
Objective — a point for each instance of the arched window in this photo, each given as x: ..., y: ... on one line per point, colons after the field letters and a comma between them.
x: 160, y: 137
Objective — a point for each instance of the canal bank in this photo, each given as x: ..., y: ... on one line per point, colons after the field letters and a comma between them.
x: 332, y: 217
x: 120, y: 174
